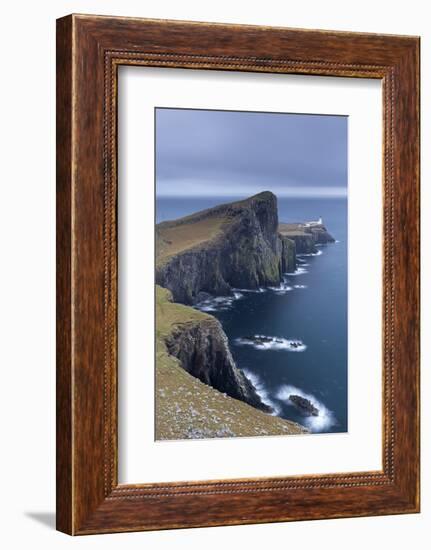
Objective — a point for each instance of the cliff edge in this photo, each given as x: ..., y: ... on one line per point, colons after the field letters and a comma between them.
x: 200, y: 393
x: 198, y: 341
x: 305, y: 236
x: 234, y: 245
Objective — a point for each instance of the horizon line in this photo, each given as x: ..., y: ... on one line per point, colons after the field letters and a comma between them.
x: 251, y: 194
x: 289, y: 191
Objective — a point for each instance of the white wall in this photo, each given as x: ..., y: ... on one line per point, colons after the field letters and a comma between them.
x: 27, y: 117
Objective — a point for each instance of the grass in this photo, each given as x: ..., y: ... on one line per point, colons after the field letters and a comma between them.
x: 172, y: 238
x: 188, y: 409
x: 292, y: 229
x: 169, y: 313
x: 185, y: 407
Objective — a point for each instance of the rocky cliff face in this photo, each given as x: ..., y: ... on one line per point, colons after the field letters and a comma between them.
x: 321, y: 235
x: 305, y: 237
x: 235, y: 245
x: 203, y: 351
x: 246, y: 251
x: 288, y: 254
x: 304, y: 243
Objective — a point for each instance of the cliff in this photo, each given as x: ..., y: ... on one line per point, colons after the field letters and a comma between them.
x: 188, y: 409
x: 234, y: 245
x: 305, y: 236
x: 197, y: 340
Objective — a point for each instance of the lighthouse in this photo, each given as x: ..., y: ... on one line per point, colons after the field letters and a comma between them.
x: 314, y: 223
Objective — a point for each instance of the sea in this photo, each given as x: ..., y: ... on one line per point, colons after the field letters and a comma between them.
x: 291, y: 340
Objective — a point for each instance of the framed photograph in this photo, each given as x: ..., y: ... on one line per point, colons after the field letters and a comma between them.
x: 237, y: 274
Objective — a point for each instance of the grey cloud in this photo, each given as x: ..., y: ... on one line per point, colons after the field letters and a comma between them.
x: 215, y: 152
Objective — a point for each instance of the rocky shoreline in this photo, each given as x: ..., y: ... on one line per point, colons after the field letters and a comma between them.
x: 242, y: 245
x: 190, y: 399
x: 245, y: 250
x: 203, y: 351
x: 209, y: 254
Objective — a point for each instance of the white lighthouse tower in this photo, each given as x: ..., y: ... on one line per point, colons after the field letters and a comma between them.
x: 314, y: 223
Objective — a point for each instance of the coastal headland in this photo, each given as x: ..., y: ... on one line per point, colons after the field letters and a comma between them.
x: 200, y: 391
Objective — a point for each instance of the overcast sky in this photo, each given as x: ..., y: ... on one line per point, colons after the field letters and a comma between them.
x: 232, y: 153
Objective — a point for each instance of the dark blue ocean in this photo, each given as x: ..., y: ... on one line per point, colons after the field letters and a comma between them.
x: 310, y: 307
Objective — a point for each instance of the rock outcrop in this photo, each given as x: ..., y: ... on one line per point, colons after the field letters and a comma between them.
x: 305, y: 236
x: 203, y: 351
x: 188, y: 409
x: 235, y: 245
x: 321, y: 234
x: 199, y: 343
x: 304, y: 405
x: 304, y: 242
x: 288, y: 254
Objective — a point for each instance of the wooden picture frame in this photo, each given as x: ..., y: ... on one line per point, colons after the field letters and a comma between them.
x: 89, y: 51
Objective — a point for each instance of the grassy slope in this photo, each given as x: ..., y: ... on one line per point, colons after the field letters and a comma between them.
x: 187, y: 408
x: 174, y: 239
x: 194, y: 231
x: 201, y: 227
x: 292, y: 229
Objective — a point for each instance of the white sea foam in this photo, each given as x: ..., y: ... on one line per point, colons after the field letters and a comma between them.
x: 252, y: 290
x: 282, y: 288
x: 300, y: 270
x: 320, y: 423
x: 262, y: 391
x: 299, y: 286
x: 318, y: 253
x: 271, y: 343
x: 218, y: 303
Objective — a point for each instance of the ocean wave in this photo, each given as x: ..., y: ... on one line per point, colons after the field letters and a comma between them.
x: 299, y: 286
x: 320, y: 423
x: 218, y: 303
x: 251, y: 290
x: 282, y: 288
x: 298, y: 271
x: 261, y: 391
x: 261, y: 342
x: 303, y: 254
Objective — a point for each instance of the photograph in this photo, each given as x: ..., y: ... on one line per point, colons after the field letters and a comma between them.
x: 212, y: 281
x: 251, y: 273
